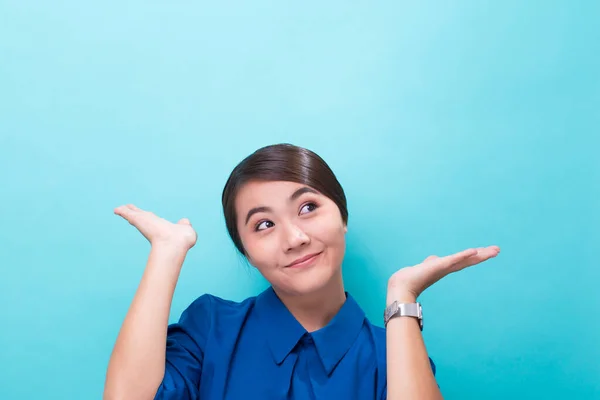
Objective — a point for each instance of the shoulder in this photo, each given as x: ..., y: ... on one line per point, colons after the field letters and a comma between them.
x: 210, y: 310
x: 211, y: 302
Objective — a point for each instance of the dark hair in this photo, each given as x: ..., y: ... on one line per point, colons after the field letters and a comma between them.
x: 280, y: 162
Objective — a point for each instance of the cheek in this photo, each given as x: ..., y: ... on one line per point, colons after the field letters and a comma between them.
x: 333, y: 236
x: 336, y: 246
x: 260, y: 251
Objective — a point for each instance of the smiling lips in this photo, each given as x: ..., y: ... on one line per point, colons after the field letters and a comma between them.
x: 304, y: 261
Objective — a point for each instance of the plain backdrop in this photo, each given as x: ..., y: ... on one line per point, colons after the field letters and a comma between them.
x: 449, y: 124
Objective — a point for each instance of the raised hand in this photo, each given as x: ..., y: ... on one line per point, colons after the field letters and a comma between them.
x: 157, y: 230
x: 408, y: 283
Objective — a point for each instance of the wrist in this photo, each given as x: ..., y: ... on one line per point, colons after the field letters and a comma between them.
x: 400, y: 298
x: 168, y: 247
x: 164, y: 265
x: 400, y: 294
x: 167, y: 256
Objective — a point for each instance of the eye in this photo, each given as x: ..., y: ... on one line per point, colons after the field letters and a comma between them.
x: 264, y: 224
x: 308, y: 206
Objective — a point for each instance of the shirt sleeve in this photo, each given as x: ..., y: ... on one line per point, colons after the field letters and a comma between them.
x: 186, y: 341
x: 433, y: 369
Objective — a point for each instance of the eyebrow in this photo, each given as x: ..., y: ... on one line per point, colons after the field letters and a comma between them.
x: 293, y: 197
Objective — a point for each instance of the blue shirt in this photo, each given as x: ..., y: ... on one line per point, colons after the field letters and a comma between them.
x: 256, y: 349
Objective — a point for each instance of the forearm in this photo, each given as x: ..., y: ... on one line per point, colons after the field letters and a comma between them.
x: 137, y: 364
x: 409, y: 373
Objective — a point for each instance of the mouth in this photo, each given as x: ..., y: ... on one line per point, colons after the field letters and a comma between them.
x: 304, y: 261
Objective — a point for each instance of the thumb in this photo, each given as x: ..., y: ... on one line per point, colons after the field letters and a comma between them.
x: 433, y: 257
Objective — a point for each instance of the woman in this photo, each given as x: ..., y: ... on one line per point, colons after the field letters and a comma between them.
x: 302, y: 338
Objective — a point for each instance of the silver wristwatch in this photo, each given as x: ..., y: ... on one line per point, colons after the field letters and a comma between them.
x: 403, y: 310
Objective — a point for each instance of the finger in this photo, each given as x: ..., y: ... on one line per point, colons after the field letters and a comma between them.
x: 488, y: 251
x: 456, y: 257
x: 119, y: 210
x: 184, y: 221
x: 483, y: 254
x: 460, y: 260
x: 435, y: 268
x: 125, y: 212
x: 432, y: 257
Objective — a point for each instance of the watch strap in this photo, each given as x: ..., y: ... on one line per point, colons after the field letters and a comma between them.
x: 397, y: 309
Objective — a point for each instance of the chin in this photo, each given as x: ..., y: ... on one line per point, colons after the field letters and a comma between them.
x: 307, y: 282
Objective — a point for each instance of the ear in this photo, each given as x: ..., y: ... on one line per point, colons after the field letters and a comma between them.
x: 345, y: 228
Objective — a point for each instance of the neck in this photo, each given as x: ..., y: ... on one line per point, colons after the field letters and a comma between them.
x: 313, y: 311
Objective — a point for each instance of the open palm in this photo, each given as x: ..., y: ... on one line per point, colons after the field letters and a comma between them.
x: 158, y: 230
x: 412, y: 281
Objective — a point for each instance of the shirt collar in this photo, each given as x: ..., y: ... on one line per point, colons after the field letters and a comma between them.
x: 283, y: 330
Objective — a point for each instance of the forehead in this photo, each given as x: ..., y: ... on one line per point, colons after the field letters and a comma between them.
x: 264, y: 192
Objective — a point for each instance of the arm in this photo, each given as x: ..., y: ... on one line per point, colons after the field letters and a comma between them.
x: 137, y: 364
x: 409, y: 372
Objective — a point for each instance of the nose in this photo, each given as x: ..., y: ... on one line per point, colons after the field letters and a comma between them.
x: 295, y: 237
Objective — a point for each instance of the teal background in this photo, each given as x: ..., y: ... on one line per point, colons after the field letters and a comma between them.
x: 449, y: 124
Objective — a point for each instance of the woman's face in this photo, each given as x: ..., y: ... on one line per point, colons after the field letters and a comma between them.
x: 281, y: 223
